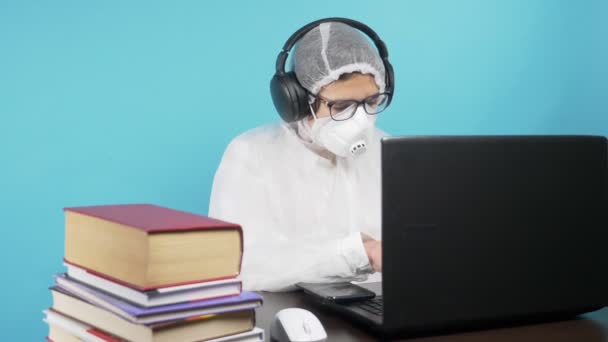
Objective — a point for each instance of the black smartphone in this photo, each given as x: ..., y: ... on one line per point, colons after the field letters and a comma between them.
x: 340, y: 293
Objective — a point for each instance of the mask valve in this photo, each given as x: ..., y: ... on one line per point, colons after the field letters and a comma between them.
x: 358, y: 148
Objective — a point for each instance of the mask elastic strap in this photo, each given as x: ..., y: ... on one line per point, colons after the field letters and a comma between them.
x: 312, y: 112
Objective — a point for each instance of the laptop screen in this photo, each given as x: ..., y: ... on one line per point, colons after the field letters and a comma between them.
x: 488, y: 227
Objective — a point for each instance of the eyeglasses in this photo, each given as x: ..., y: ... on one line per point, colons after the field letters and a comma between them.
x: 341, y: 110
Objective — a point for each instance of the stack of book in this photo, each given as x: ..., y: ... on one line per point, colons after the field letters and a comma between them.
x: 141, y: 272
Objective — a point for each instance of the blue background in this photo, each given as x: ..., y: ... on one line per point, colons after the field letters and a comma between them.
x: 119, y: 102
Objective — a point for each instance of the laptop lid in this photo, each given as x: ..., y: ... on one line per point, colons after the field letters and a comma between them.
x: 488, y: 228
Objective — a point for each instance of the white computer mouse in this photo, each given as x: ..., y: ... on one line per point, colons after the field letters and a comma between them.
x: 296, y: 325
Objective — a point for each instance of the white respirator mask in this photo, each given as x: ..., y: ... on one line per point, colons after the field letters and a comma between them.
x: 345, y: 138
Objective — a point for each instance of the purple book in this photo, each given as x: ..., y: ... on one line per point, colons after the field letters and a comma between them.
x: 159, y: 314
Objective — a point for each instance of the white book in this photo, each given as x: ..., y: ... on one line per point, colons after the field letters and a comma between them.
x: 64, y: 326
x: 255, y: 335
x: 160, y: 296
x: 70, y: 327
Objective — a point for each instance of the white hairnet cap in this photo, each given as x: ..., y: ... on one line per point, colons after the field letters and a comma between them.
x: 332, y: 49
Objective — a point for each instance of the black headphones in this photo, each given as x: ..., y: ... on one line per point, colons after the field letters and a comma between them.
x: 290, y: 98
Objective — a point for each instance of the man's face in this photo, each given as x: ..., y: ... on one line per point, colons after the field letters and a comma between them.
x: 358, y: 87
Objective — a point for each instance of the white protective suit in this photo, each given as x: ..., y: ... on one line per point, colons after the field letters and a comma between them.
x: 301, y: 213
x: 303, y: 209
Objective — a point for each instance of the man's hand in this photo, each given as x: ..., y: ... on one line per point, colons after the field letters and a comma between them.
x: 373, y: 248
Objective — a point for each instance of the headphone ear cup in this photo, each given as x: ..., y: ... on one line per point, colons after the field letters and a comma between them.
x: 280, y: 96
x: 300, y: 97
x: 390, y: 79
x: 289, y: 98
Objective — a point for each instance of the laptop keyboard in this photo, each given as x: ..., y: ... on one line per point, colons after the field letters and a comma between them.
x: 373, y: 306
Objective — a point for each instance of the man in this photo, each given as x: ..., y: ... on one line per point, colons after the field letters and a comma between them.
x: 307, y: 193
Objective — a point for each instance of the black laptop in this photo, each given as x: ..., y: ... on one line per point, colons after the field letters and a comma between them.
x: 483, y: 231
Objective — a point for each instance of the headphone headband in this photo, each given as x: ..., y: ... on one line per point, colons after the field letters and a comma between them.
x: 282, y: 57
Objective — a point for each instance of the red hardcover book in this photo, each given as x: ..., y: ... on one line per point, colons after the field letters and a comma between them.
x: 146, y: 246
